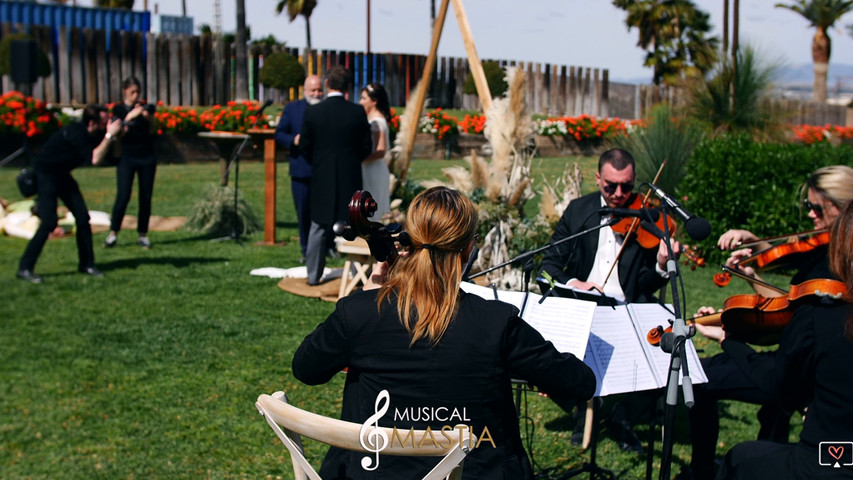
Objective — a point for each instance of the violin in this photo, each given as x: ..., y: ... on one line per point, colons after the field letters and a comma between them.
x: 692, y: 257
x: 760, y: 320
x: 380, y: 238
x: 645, y: 238
x: 786, y: 253
x: 778, y: 255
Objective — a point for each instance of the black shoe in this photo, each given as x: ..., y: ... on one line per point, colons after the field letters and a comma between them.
x: 625, y: 437
x: 29, y: 276
x: 91, y: 271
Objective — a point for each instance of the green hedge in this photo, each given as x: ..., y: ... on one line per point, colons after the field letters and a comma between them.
x: 735, y: 182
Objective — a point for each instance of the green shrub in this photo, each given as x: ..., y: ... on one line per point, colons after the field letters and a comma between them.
x: 282, y: 70
x: 6, y: 55
x: 494, y: 77
x: 735, y: 182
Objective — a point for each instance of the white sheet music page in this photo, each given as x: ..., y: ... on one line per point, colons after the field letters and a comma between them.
x: 646, y: 316
x: 615, y: 355
x: 564, y: 321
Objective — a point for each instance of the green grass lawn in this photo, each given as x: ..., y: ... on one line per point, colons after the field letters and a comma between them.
x: 152, y: 372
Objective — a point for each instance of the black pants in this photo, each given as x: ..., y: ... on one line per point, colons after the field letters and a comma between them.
x: 301, y: 188
x: 51, y: 188
x: 726, y: 381
x: 129, y: 166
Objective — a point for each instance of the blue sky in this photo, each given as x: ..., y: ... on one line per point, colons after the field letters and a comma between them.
x: 588, y: 33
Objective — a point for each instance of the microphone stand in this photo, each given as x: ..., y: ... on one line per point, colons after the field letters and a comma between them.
x: 235, y: 162
x: 673, y: 343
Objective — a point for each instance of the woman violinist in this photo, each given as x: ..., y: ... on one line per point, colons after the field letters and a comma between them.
x: 827, y: 190
x: 739, y: 373
x: 812, y: 368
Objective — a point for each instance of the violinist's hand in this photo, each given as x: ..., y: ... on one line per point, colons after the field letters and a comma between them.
x: 579, y: 285
x: 733, y: 238
x: 704, y: 311
x: 713, y: 332
x: 738, y: 256
x: 378, y: 276
x: 663, y: 252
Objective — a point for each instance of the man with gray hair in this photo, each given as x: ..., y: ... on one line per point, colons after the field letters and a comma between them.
x: 287, y: 135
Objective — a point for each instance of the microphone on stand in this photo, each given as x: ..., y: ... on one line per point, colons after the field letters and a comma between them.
x: 266, y: 104
x: 697, y: 227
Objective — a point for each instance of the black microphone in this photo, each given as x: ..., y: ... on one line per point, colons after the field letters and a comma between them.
x: 697, y: 227
x: 266, y: 104
x: 652, y: 214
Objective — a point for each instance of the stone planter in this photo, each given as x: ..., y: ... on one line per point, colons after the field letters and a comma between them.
x: 554, y: 146
x: 455, y: 146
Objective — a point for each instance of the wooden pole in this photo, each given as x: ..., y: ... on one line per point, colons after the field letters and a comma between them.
x: 473, y: 60
x: 418, y: 104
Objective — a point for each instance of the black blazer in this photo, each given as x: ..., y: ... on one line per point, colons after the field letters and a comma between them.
x: 574, y: 259
x: 335, y: 139
x: 485, y: 346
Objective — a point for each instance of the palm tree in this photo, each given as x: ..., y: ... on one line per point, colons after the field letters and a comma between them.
x: 241, y: 80
x: 296, y: 8
x: 821, y: 14
x: 675, y: 35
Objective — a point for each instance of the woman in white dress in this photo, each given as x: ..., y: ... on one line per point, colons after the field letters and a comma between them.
x: 376, y: 177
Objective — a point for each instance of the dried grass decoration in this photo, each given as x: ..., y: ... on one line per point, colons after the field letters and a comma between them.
x: 214, y: 213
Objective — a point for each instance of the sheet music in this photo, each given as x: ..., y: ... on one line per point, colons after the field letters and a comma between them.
x: 615, y: 355
x: 646, y: 316
x: 565, y: 322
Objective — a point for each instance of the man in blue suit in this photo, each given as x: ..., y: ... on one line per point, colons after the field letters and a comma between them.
x: 287, y: 136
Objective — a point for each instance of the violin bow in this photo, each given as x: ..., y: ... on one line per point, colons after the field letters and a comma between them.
x: 781, y: 237
x: 634, y: 223
x: 736, y: 272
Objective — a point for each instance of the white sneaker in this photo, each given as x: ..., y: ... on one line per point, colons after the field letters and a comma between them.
x: 144, y: 242
x: 111, y: 241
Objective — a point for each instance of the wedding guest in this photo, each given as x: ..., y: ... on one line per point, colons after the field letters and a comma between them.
x: 374, y: 169
x: 287, y: 135
x: 137, y: 159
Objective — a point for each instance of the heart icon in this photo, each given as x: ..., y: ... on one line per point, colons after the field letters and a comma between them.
x: 836, y: 451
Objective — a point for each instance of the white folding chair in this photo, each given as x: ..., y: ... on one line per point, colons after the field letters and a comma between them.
x: 290, y: 423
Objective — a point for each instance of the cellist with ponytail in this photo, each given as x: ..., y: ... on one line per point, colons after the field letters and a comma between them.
x: 431, y: 349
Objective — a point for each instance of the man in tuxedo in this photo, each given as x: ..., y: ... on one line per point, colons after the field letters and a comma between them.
x: 584, y: 263
x: 335, y: 138
x: 287, y: 136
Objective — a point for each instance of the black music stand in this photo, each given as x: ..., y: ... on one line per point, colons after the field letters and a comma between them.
x: 235, y: 162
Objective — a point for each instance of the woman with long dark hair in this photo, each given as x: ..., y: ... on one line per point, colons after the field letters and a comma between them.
x: 376, y: 178
x: 137, y: 159
x: 433, y: 350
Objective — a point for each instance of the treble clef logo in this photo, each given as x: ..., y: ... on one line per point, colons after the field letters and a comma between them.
x: 376, y: 438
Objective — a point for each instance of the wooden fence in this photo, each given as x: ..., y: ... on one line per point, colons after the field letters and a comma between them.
x: 88, y: 66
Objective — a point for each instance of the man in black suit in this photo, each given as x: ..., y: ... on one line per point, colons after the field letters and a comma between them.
x: 584, y: 264
x: 335, y: 139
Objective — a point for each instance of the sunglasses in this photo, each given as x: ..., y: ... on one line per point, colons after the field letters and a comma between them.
x: 817, y: 209
x: 610, y: 187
